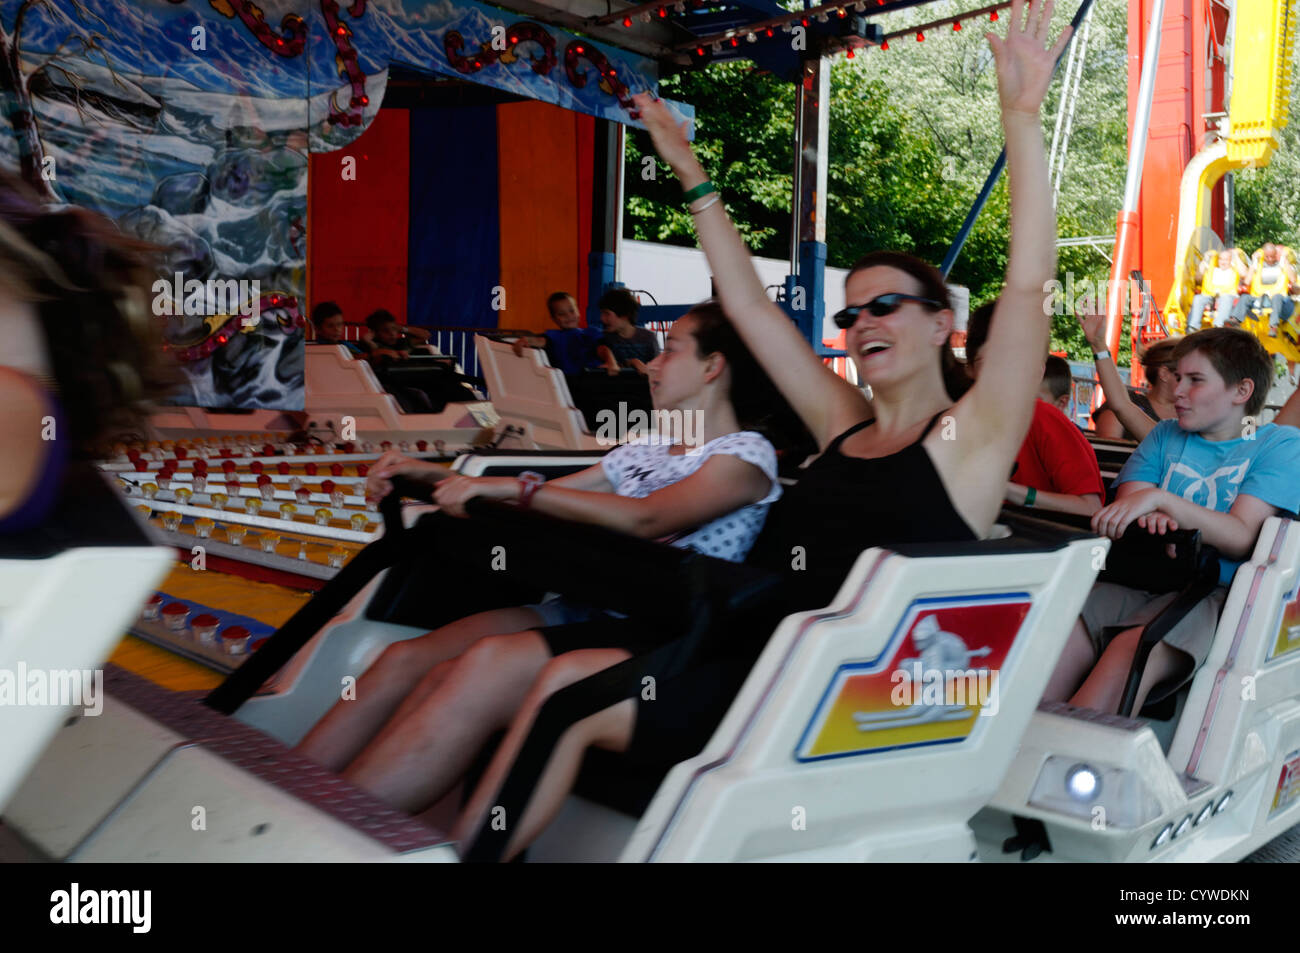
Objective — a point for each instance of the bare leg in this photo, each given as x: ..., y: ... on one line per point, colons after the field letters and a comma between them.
x: 1104, y: 688
x: 346, y: 728
x: 611, y: 728
x: 1077, y: 658
x: 415, y: 761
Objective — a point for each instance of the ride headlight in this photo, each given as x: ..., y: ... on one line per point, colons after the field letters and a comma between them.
x: 1083, y: 783
x: 1102, y: 795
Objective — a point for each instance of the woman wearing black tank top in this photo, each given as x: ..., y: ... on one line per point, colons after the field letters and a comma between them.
x: 912, y: 466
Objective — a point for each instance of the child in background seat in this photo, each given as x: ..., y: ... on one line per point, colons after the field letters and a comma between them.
x: 1210, y: 469
x: 569, y: 348
x: 623, y: 343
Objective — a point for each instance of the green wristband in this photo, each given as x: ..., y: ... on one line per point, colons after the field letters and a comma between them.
x: 701, y: 190
x: 1031, y: 494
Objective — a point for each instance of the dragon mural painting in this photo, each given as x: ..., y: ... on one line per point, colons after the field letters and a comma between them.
x: 189, y: 122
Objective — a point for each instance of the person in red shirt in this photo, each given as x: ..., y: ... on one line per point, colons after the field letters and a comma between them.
x: 1056, y: 468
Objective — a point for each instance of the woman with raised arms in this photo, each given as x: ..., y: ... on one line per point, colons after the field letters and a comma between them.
x: 911, y: 467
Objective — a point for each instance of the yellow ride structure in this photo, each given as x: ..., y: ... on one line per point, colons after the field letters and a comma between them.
x: 1262, y: 55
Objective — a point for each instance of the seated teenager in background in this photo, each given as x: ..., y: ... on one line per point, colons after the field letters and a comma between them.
x: 81, y: 354
x: 1212, y: 470
x: 570, y: 348
x: 624, y: 344
x: 388, y: 344
x: 389, y: 339
x: 1056, y: 468
x: 1128, y: 413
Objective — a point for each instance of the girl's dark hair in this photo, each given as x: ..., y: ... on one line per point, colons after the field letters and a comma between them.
x: 756, y: 400
x: 90, y: 285
x: 955, y: 379
x: 377, y: 319
x: 1157, y: 355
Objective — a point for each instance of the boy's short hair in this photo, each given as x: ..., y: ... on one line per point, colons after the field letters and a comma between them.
x: 1057, y: 376
x: 1236, y: 355
x: 377, y: 319
x: 558, y: 296
x: 621, y: 301
x: 323, y: 312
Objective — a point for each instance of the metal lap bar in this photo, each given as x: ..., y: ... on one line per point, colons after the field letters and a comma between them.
x: 244, y: 681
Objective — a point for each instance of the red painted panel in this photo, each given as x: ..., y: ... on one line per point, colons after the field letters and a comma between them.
x: 357, y: 228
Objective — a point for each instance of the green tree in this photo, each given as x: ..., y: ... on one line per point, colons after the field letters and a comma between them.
x: 1267, y: 199
x: 913, y: 133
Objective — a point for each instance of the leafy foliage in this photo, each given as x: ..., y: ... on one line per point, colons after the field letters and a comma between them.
x: 913, y: 133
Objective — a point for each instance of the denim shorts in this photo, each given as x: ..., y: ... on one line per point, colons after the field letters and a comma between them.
x: 556, y: 610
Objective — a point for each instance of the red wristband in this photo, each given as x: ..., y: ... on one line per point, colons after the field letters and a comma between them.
x: 529, y: 483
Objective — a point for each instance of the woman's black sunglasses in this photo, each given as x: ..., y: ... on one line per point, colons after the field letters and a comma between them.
x: 885, y: 304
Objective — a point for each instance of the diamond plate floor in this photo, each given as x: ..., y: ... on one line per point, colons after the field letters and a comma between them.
x: 260, y: 755
x: 1284, y: 849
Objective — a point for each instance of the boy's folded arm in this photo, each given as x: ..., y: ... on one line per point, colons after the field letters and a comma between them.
x: 1232, y: 533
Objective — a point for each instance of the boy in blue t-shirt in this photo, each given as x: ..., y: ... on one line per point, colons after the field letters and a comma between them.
x: 568, y: 347
x: 1210, y: 469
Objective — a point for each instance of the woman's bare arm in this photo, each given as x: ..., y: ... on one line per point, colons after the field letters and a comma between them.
x: 825, y: 402
x: 1112, y: 385
x: 722, y: 485
x: 991, y: 420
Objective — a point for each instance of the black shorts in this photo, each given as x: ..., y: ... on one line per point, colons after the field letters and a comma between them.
x: 685, y: 709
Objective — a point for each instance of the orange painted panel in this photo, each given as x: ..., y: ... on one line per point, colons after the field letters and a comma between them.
x: 543, y: 163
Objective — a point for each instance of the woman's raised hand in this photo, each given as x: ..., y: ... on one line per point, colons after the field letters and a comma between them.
x: 1093, y: 322
x: 1024, y: 61
x: 668, y: 135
